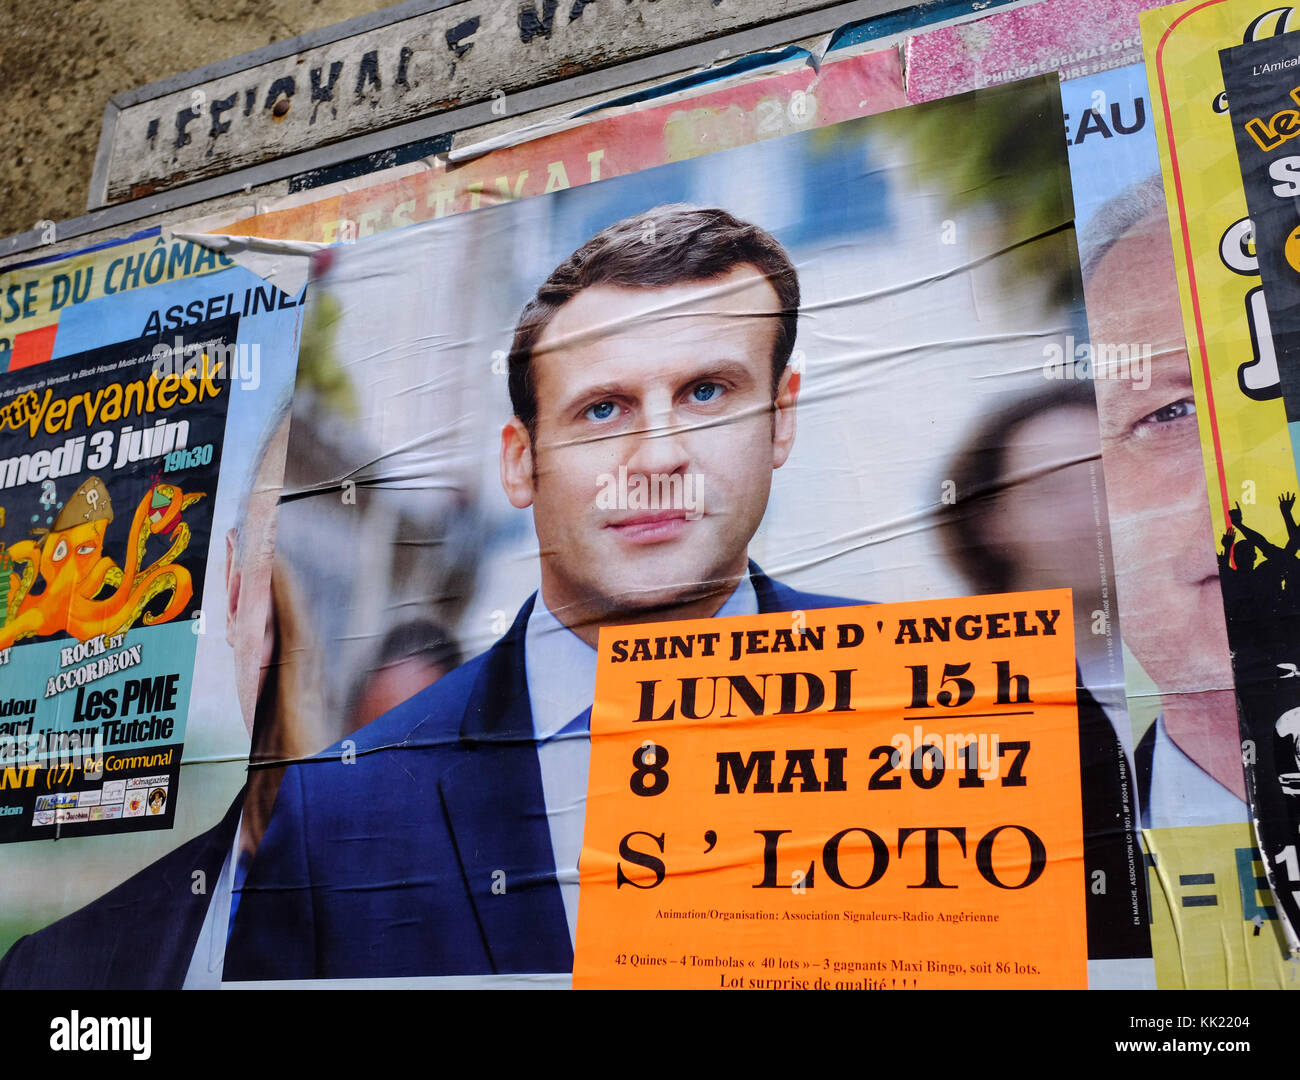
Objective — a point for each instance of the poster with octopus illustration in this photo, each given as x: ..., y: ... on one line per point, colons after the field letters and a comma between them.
x: 108, y: 463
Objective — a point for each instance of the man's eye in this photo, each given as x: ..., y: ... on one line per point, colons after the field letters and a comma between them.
x: 706, y: 391
x: 602, y: 410
x: 1175, y: 410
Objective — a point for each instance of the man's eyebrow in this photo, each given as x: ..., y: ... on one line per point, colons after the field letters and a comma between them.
x: 594, y: 392
x: 1169, y: 374
x: 730, y: 370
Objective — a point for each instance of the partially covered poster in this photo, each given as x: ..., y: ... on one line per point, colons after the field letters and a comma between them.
x: 1237, y: 393
x: 1260, y: 80
x: 802, y: 374
x: 113, y: 458
x: 1191, y: 784
x: 142, y: 454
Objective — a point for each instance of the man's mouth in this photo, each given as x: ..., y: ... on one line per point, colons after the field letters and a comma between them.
x: 652, y: 527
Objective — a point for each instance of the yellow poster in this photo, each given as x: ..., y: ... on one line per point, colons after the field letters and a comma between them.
x: 36, y: 295
x: 1247, y: 449
x: 1213, y: 921
x: 1248, y: 456
x: 882, y: 797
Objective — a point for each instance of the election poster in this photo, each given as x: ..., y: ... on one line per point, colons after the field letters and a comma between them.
x: 1178, y: 666
x: 1214, y: 921
x: 494, y: 458
x: 1249, y: 460
x: 140, y: 477
x: 708, y: 544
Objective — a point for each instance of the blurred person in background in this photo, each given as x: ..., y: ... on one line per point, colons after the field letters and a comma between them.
x: 1024, y: 517
x: 412, y: 656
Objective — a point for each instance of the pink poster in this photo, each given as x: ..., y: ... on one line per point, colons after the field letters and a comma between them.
x: 1074, y: 37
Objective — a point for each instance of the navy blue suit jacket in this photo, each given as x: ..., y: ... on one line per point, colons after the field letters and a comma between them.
x: 139, y: 936
x: 425, y: 848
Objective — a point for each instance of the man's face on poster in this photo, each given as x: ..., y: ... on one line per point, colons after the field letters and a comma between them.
x: 1165, y: 562
x: 662, y: 391
x: 250, y: 617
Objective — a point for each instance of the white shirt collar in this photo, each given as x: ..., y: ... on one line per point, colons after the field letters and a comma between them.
x: 561, y: 668
x: 1182, y: 793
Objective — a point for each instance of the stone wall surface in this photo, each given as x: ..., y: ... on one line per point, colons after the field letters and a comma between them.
x: 61, y: 61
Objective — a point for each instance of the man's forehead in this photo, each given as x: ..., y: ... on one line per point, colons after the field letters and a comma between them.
x: 1134, y: 289
x: 740, y: 300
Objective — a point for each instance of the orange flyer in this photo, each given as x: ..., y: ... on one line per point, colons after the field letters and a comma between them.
x: 880, y: 797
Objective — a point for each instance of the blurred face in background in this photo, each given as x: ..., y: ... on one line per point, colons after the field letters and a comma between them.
x: 390, y: 685
x: 1044, y: 520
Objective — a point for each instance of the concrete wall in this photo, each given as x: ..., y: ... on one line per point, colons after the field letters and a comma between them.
x: 61, y: 60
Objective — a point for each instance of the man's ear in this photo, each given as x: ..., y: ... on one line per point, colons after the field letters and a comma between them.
x: 517, y: 464
x: 234, y: 579
x: 783, y: 416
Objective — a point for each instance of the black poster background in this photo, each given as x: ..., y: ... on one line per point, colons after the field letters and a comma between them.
x: 1260, y: 598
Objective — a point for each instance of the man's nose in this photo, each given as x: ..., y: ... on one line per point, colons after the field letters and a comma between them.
x: 660, y: 447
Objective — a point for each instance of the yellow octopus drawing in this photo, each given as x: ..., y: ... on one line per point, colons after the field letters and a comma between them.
x: 74, y: 569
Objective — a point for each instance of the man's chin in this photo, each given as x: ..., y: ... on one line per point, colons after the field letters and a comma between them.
x: 1193, y: 670
x: 642, y: 603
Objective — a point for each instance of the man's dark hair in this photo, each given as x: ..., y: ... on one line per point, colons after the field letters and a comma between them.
x: 418, y: 639
x: 667, y: 245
